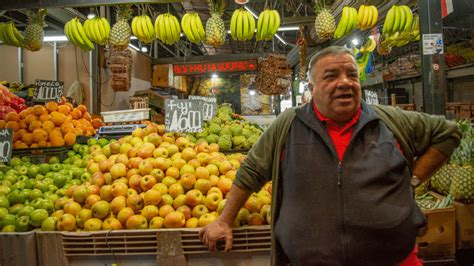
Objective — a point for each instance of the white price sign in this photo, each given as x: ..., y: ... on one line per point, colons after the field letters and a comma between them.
x: 6, y: 139
x: 208, y: 106
x: 183, y: 115
x: 48, y: 90
x: 371, y: 97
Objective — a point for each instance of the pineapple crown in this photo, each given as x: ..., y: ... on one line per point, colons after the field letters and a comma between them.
x: 216, y: 6
x: 37, y: 16
x: 124, y: 12
x: 321, y: 5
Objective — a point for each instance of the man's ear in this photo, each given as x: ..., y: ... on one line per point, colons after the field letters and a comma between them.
x: 310, y: 87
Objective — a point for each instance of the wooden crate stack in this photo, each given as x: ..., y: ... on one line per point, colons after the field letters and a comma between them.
x: 120, y: 64
x: 274, y: 75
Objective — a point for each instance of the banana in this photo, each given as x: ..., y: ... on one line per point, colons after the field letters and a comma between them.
x: 102, y: 31
x: 200, y: 27
x: 375, y: 16
x: 134, y: 27
x: 403, y: 18
x: 354, y: 18
x: 150, y: 28
x: 239, y: 25
x: 75, y: 34
x: 408, y: 17
x: 83, y: 35
x: 96, y: 33
x: 389, y: 21
x: 233, y: 24
x: 185, y: 25
x: 245, y: 25
x: 140, y: 34
x: 363, y: 17
x: 271, y: 23
x: 251, y: 20
x: 19, y: 36
x: 276, y: 25
x: 191, y: 29
x: 341, y: 26
x: 11, y: 35
x: 3, y: 36
x: 106, y: 25
x: 177, y: 28
x: 398, y: 19
x: 259, y: 26
x: 158, y: 27
x: 87, y: 29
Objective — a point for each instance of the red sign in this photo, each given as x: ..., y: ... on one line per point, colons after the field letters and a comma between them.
x: 216, y: 67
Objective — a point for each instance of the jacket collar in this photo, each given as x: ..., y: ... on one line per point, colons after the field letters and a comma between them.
x: 306, y: 114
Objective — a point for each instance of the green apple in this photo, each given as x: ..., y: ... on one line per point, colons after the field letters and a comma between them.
x: 39, y: 177
x: 9, y: 228
x: 22, y: 170
x: 12, y: 178
x: 56, y: 167
x: 4, y: 202
x: 7, y: 219
x: 22, y: 224
x: 16, y: 197
x: 15, y: 162
x: 59, y: 180
x: 4, y: 190
x: 30, y: 183
x: 49, y: 224
x: 25, y: 211
x: 33, y: 171
x: 44, y: 168
x: 37, y: 217
x: 34, y: 194
x: 54, y: 160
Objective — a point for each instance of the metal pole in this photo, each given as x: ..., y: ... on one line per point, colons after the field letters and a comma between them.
x: 55, y: 59
x: 20, y: 65
x: 432, y: 60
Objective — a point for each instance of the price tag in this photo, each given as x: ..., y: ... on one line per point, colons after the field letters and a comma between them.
x: 6, y: 140
x: 208, y: 106
x: 371, y: 97
x: 183, y: 115
x: 48, y: 90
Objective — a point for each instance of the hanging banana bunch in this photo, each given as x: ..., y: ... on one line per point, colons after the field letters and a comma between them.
x: 167, y: 28
x: 97, y: 30
x: 192, y: 27
x: 10, y: 35
x: 75, y: 33
x: 267, y: 24
x: 242, y: 25
x: 142, y: 28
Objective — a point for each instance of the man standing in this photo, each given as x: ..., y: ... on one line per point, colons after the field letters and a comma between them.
x: 342, y: 174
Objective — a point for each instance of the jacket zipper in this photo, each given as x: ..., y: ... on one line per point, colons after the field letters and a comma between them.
x: 341, y: 212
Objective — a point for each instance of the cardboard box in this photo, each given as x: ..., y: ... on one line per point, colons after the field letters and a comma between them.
x: 439, y: 238
x: 464, y: 225
x: 162, y: 76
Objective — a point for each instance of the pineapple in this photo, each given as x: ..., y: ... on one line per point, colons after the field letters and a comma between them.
x: 441, y: 180
x: 325, y: 24
x: 121, y: 32
x: 215, y: 30
x: 34, y: 32
x: 462, y: 183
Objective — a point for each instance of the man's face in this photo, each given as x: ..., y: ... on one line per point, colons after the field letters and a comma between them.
x: 336, y: 87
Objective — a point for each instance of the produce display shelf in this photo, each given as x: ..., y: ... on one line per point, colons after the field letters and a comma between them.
x: 42, y: 155
x: 18, y: 248
x: 164, y: 245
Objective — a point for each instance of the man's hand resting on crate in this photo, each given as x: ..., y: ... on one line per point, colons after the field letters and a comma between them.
x: 214, y: 232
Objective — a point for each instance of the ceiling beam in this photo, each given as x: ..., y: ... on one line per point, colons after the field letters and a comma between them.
x: 208, y: 58
x: 33, y: 4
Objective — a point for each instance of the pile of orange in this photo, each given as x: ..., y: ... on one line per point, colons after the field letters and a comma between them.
x: 50, y: 125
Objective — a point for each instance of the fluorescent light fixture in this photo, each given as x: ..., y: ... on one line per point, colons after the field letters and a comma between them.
x: 355, y: 41
x: 133, y: 46
x: 60, y: 38
x: 144, y: 49
x: 281, y: 39
x: 90, y: 15
x: 288, y: 28
x: 251, y: 11
x: 133, y: 38
x: 214, y: 76
x: 252, y: 92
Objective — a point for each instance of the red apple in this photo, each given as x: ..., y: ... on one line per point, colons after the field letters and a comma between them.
x: 194, y: 197
x: 156, y: 222
x: 124, y: 214
x: 137, y: 222
x: 147, y: 182
x: 174, y: 219
x: 149, y: 211
x: 135, y: 202
x: 119, y: 189
x: 152, y: 197
x: 118, y: 204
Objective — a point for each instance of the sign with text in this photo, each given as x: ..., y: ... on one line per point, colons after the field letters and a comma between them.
x: 215, y: 67
x: 433, y: 44
x: 48, y: 90
x: 183, y: 115
x: 208, y: 106
x: 371, y: 97
x: 6, y: 140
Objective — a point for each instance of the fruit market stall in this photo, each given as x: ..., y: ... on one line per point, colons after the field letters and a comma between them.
x: 111, y: 167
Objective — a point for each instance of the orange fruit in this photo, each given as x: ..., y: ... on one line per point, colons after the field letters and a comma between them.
x: 51, y: 106
x: 70, y: 106
x: 68, y: 119
x: 27, y: 138
x: 16, y: 136
x: 35, y: 124
x: 67, y: 127
x: 76, y: 114
x: 70, y: 139
x: 42, y: 144
x: 40, y: 135
x: 23, y: 124
x: 13, y: 125
x: 44, y: 117
x: 64, y: 109
x: 57, y: 142
x: 58, y: 118
x: 87, y: 116
x: 21, y: 145
x: 30, y: 118
x: 39, y: 110
x: 78, y: 132
x: 82, y: 108
x: 24, y: 113
x: 90, y: 131
x: 12, y: 116
x: 21, y: 131
x: 55, y: 133
x: 48, y: 126
x: 96, y: 123
x: 34, y: 145
x: 2, y: 123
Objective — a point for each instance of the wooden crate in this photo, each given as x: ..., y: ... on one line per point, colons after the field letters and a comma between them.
x: 18, y: 249
x: 162, y: 76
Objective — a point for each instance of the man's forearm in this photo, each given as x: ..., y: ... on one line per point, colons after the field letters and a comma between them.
x: 235, y: 200
x: 428, y: 163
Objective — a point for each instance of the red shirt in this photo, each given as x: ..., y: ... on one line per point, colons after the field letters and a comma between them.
x: 341, y: 137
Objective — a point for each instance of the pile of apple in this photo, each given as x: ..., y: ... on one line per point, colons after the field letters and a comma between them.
x: 29, y: 192
x: 153, y: 179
